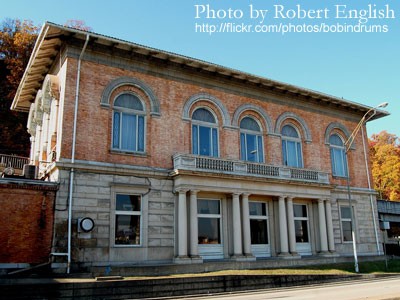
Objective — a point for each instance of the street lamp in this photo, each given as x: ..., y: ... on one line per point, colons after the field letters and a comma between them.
x: 347, y: 145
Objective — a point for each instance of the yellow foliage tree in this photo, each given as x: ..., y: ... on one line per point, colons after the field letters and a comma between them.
x: 385, y: 158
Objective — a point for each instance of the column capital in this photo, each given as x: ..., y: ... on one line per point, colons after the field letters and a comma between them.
x: 246, y: 194
x: 194, y: 192
x: 181, y: 190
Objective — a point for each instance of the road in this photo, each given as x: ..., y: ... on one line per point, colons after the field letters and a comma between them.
x: 387, y: 289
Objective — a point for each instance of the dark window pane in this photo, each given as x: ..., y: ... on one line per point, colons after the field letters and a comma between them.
x: 249, y: 124
x: 195, y: 139
x: 301, y: 230
x: 208, y: 207
x: 300, y: 211
x: 127, y: 230
x: 289, y: 131
x: 252, y: 152
x: 116, y: 130
x: 127, y: 202
x: 346, y: 228
x: 205, y: 140
x: 259, y: 231
x: 257, y: 209
x: 128, y: 101
x: 209, y: 231
x: 204, y: 115
x: 345, y: 212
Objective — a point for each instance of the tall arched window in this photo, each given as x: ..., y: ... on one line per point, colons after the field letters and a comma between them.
x: 338, y: 156
x: 204, y: 133
x: 291, y: 147
x: 128, y: 124
x: 251, y: 145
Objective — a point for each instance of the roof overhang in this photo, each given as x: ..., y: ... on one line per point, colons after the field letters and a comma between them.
x: 52, y: 36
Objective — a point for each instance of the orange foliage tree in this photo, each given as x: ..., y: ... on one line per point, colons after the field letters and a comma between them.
x: 385, y: 158
x: 17, y: 39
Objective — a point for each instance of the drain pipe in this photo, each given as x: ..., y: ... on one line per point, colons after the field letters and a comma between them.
x: 71, y: 174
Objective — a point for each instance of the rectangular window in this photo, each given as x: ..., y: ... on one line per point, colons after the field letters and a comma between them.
x: 258, y: 223
x: 339, y: 163
x: 128, y: 132
x: 209, y: 221
x: 204, y: 140
x: 345, y: 218
x: 301, y: 223
x: 127, y: 219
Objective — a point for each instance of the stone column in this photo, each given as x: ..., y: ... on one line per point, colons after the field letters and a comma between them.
x: 291, y: 229
x: 237, y: 230
x: 329, y: 225
x: 194, y: 240
x: 182, y: 224
x: 246, y: 225
x: 322, y: 226
x: 283, y: 226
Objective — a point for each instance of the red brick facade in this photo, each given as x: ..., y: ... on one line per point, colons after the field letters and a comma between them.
x: 94, y: 141
x: 27, y: 215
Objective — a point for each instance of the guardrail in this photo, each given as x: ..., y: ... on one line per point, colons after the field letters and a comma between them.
x: 16, y: 162
x: 235, y: 167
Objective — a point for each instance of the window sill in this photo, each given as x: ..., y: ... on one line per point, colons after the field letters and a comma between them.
x: 121, y: 152
x: 126, y: 246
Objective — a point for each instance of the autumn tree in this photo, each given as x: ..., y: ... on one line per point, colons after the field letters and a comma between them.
x: 17, y: 39
x: 78, y: 24
x: 385, y: 159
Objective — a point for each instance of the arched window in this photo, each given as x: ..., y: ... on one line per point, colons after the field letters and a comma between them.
x: 338, y: 156
x: 204, y: 133
x: 251, y: 145
x: 291, y: 147
x: 128, y: 124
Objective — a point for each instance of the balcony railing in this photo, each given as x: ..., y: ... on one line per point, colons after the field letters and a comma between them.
x: 235, y: 167
x: 16, y: 162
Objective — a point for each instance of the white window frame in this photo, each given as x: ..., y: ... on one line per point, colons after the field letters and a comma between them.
x: 126, y: 191
x: 342, y: 219
x: 257, y: 134
x: 297, y: 141
x: 213, y: 216
x: 345, y: 165
x: 212, y: 126
x: 132, y: 112
x: 261, y: 217
x: 307, y: 218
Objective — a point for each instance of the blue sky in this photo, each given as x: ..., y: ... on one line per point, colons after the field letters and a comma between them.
x: 361, y: 67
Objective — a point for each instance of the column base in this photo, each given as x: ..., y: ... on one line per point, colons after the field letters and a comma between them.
x: 239, y: 257
x: 285, y: 255
x: 295, y: 255
x: 196, y: 259
x: 182, y: 260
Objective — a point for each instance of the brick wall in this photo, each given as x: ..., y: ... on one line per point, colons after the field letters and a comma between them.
x: 26, y: 222
x: 169, y: 134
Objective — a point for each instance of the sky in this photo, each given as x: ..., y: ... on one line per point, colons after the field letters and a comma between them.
x: 362, y: 67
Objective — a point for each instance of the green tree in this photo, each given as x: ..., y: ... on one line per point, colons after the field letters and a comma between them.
x: 385, y: 158
x: 17, y: 39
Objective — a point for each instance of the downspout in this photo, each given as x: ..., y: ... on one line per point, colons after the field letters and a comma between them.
x: 370, y: 195
x: 71, y: 174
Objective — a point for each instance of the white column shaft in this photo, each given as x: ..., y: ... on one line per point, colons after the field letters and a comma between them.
x: 182, y: 224
x: 193, y: 224
x: 246, y: 225
x: 329, y: 225
x: 283, y: 226
x: 291, y: 230
x: 237, y: 231
x: 322, y: 226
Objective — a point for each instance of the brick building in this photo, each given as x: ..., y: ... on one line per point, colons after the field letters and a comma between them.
x: 177, y: 160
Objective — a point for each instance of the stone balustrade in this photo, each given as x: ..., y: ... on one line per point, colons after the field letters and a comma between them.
x: 236, y: 167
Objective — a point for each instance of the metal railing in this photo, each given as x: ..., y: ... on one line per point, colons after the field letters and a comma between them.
x: 16, y: 162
